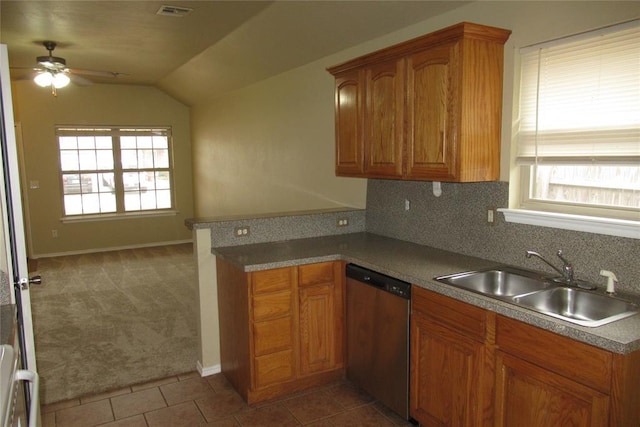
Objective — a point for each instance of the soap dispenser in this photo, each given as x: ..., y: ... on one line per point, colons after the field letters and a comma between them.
x: 612, y: 281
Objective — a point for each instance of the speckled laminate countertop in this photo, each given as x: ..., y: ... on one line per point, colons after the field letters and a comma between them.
x: 419, y: 265
x: 7, y: 323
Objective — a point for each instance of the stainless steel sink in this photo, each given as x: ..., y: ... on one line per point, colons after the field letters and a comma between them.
x: 498, y: 282
x: 541, y: 294
x: 578, y: 306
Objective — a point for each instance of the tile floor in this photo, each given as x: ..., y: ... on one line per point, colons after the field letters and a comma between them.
x: 189, y: 400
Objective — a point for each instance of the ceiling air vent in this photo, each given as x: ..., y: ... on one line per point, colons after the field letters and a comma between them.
x: 173, y: 11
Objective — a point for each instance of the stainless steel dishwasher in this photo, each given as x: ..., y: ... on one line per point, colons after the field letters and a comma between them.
x: 378, y: 336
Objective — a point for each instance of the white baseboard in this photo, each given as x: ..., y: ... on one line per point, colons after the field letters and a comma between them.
x: 113, y: 248
x: 205, y: 371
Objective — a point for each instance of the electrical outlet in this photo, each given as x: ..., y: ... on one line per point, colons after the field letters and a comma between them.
x: 491, y: 215
x: 241, y: 231
x: 342, y: 222
x: 54, y: 233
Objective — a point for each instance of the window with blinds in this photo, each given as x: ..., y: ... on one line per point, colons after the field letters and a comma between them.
x: 579, y: 126
x: 114, y: 170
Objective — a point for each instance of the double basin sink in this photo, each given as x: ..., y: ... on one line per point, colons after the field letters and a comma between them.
x: 541, y: 294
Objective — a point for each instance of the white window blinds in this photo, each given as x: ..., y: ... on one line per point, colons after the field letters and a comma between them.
x: 580, y: 99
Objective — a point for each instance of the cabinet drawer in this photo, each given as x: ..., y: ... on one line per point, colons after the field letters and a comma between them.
x: 272, y: 335
x: 268, y: 306
x: 313, y: 274
x: 271, y: 280
x: 274, y: 368
x: 458, y: 316
x: 573, y: 359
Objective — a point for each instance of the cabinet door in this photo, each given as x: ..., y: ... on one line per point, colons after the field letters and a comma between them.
x: 446, y: 375
x: 530, y: 396
x: 348, y: 121
x: 317, y: 328
x: 432, y: 92
x: 384, y: 119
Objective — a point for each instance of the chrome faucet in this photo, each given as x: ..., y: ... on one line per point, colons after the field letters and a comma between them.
x: 567, y: 268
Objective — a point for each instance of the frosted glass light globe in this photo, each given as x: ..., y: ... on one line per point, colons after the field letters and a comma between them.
x: 43, y: 79
x: 60, y: 80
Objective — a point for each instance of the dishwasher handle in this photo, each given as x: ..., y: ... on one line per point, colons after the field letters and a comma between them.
x: 379, y: 280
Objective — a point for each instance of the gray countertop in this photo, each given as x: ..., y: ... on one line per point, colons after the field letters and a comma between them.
x: 7, y: 323
x: 419, y: 265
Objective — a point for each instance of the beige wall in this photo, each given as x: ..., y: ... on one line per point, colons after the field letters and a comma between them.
x: 37, y: 112
x: 270, y: 147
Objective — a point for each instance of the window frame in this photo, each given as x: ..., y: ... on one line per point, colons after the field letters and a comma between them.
x: 116, y: 133
x: 615, y: 220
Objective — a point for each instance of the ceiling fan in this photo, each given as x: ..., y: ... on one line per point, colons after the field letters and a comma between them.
x: 53, y: 71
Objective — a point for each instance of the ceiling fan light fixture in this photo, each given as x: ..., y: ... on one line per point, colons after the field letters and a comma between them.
x: 60, y: 80
x: 49, y: 78
x: 43, y: 79
x: 52, y: 62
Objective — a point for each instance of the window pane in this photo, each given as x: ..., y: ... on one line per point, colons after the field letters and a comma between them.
x: 87, y: 159
x: 162, y: 180
x: 105, y: 159
x: 127, y: 142
x: 615, y: 186
x: 148, y: 200
x: 161, y: 158
x: 90, y: 203
x: 163, y: 198
x: 104, y: 142
x: 73, y: 204
x: 69, y: 160
x: 68, y: 142
x: 131, y: 181
x: 107, y: 202
x: 145, y: 142
x: 106, y: 183
x: 76, y: 183
x: 129, y: 159
x: 87, y: 181
x: 86, y: 142
x: 160, y: 142
x: 145, y: 159
x: 131, y: 201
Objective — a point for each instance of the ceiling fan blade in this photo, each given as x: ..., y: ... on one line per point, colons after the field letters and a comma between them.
x: 79, y: 80
x: 96, y: 73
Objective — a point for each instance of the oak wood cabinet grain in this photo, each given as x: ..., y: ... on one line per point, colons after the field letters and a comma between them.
x: 471, y: 367
x: 426, y: 109
x: 451, y: 362
x: 547, y: 379
x: 281, y: 330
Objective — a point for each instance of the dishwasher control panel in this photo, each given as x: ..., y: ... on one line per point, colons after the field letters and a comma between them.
x: 379, y: 280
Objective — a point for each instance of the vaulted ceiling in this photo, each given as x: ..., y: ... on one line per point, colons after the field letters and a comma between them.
x: 217, y: 47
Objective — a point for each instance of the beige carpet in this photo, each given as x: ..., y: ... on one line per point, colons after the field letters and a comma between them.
x: 111, y: 319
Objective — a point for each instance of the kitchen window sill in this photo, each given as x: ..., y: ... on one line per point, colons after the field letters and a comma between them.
x: 589, y: 224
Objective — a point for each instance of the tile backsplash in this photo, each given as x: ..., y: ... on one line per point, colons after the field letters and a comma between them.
x: 457, y: 221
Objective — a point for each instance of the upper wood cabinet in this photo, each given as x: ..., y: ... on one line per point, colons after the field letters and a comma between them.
x: 349, y: 126
x: 426, y: 109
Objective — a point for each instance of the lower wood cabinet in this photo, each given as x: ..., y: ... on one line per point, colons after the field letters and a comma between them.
x: 471, y: 367
x: 451, y: 362
x: 545, y: 379
x: 281, y: 330
x: 529, y: 395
